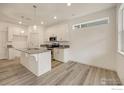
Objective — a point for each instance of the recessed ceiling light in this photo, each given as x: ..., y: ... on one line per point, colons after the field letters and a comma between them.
x: 42, y: 22
x: 35, y: 27
x: 55, y: 17
x: 22, y: 31
x: 68, y: 4
x: 20, y: 22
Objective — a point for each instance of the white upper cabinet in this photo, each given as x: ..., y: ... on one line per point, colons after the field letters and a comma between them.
x: 10, y: 34
x: 19, y: 31
x: 61, y: 31
x: 13, y: 30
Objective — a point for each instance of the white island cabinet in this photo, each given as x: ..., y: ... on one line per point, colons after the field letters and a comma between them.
x: 37, y: 61
x: 61, y: 54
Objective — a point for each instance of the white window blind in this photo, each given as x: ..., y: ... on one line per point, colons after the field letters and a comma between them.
x: 91, y: 23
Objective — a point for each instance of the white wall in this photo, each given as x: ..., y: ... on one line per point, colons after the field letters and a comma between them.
x: 120, y: 57
x: 93, y: 45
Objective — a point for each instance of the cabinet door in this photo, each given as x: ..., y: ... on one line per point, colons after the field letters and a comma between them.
x: 61, y: 54
x: 11, y: 53
x: 34, y: 40
x: 58, y: 54
x: 55, y: 53
x: 10, y: 34
x: 17, y: 53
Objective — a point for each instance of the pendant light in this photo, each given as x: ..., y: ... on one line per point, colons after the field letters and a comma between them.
x: 20, y: 22
x: 35, y: 26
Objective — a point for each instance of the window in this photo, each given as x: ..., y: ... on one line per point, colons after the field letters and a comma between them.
x: 91, y: 23
x: 121, y: 30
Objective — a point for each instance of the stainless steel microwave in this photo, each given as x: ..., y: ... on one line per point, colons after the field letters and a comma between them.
x: 53, y: 39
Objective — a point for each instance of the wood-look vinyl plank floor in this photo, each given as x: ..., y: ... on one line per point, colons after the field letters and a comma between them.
x: 71, y: 73
x: 56, y: 63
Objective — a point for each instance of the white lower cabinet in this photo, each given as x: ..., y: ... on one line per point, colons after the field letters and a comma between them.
x: 38, y: 63
x: 11, y: 54
x: 61, y: 54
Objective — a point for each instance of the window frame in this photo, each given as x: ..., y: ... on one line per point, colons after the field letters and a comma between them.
x: 120, y: 29
x: 80, y: 25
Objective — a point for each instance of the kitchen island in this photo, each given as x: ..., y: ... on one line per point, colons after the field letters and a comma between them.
x: 38, y: 61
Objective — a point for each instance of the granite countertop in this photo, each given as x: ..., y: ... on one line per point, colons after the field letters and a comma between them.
x: 33, y: 51
x: 60, y: 46
x: 63, y: 47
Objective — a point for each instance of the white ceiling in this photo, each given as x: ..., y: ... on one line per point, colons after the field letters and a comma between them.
x: 46, y: 12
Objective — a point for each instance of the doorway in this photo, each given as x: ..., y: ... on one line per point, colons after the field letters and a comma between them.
x: 3, y: 45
